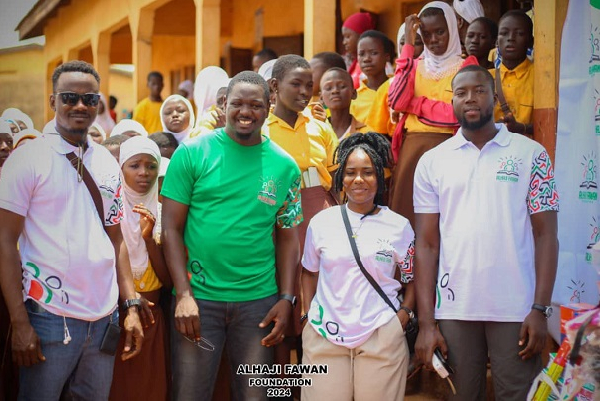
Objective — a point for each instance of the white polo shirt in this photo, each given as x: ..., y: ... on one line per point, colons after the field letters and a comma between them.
x: 68, y: 259
x: 484, y: 199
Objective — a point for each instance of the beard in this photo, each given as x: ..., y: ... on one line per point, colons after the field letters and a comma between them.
x: 475, y: 125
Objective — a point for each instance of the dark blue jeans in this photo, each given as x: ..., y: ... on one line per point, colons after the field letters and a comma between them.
x: 233, y: 325
x: 78, y: 369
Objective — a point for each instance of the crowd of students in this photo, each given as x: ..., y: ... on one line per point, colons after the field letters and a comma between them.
x: 340, y: 130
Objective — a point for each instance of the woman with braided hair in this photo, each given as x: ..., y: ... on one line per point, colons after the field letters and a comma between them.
x: 352, y: 329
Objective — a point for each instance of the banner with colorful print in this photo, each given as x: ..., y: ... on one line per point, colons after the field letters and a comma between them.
x: 577, y: 150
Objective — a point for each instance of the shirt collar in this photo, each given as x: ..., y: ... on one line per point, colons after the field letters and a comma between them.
x: 63, y: 147
x: 273, y: 119
x: 502, y: 138
x: 519, y: 70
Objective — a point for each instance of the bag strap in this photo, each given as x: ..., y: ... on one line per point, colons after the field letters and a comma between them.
x: 357, y: 257
x: 78, y: 165
x: 501, y: 99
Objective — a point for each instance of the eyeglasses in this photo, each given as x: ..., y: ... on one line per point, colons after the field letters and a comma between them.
x: 202, y: 343
x: 72, y: 98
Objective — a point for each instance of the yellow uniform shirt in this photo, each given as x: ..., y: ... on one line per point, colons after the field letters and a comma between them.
x: 148, y: 282
x: 517, y: 86
x: 379, y: 115
x: 440, y: 90
x: 147, y: 113
x: 361, y: 106
x: 310, y: 142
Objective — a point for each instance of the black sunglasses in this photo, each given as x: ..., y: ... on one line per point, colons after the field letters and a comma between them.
x: 72, y: 98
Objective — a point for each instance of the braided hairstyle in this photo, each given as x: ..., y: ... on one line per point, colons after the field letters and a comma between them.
x: 378, y: 150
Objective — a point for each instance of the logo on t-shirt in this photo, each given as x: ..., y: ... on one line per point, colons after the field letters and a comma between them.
x: 268, y: 191
x: 385, y: 252
x: 588, y: 187
x: 509, y: 169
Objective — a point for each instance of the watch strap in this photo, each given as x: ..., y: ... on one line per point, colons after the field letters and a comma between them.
x: 288, y: 297
x: 546, y: 310
x: 132, y: 302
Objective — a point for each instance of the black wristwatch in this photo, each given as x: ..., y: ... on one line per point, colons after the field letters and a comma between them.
x: 290, y: 298
x: 132, y: 302
x: 546, y: 310
x: 409, y: 312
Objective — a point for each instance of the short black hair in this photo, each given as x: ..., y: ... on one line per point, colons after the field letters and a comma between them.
x: 287, y: 63
x: 491, y: 26
x: 386, y: 43
x: 330, y: 59
x: 342, y: 71
x: 73, y: 66
x: 267, y: 54
x: 154, y: 74
x: 164, y: 139
x: 249, y: 77
x: 378, y: 150
x: 113, y: 99
x: 431, y: 11
x: 115, y: 140
x: 519, y: 14
x: 476, y: 68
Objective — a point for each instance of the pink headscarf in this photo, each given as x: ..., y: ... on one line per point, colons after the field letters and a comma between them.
x: 359, y: 22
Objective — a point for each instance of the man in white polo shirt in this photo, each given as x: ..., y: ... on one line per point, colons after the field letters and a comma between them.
x: 60, y: 286
x: 486, y: 247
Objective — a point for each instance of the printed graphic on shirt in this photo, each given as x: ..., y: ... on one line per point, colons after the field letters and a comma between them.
x: 542, y: 188
x: 115, y: 211
x: 290, y: 213
x: 443, y: 290
x: 588, y: 189
x: 509, y: 169
x: 406, y: 266
x: 385, y: 253
x: 196, y: 269
x: 43, y: 290
x: 268, y: 191
x: 328, y: 328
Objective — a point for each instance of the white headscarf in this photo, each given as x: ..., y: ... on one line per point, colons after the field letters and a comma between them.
x: 104, y: 119
x: 187, y: 86
x: 126, y: 125
x: 437, y: 67
x: 50, y: 127
x: 164, y: 164
x: 130, y: 226
x: 208, y: 82
x: 185, y: 134
x: 5, y: 128
x: 27, y: 133
x: 100, y: 130
x: 401, y: 32
x: 14, y: 114
x: 266, y: 70
x: 468, y: 9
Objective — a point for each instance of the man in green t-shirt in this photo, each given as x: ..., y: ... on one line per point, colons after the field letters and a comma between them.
x: 230, y: 210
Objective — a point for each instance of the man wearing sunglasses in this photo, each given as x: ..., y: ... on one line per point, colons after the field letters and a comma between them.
x: 61, y: 286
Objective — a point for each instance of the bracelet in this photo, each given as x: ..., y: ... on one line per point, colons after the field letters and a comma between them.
x: 303, y: 318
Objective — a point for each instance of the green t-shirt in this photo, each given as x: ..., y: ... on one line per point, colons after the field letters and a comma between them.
x: 236, y: 196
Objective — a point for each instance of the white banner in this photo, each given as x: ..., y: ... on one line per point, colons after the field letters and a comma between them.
x: 577, y: 150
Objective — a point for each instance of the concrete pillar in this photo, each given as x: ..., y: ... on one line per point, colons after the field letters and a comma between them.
x: 208, y: 33
x: 548, y: 24
x: 142, y: 26
x: 319, y: 27
x: 101, y: 52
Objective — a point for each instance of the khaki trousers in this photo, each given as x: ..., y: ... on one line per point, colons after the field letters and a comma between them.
x: 376, y: 370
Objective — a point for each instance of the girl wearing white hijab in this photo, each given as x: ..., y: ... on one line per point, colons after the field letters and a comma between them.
x: 208, y: 82
x: 140, y: 163
x: 422, y: 91
x: 177, y: 117
x: 21, y: 137
x: 130, y: 128
x: 97, y: 133
x: 103, y: 117
x: 22, y: 120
